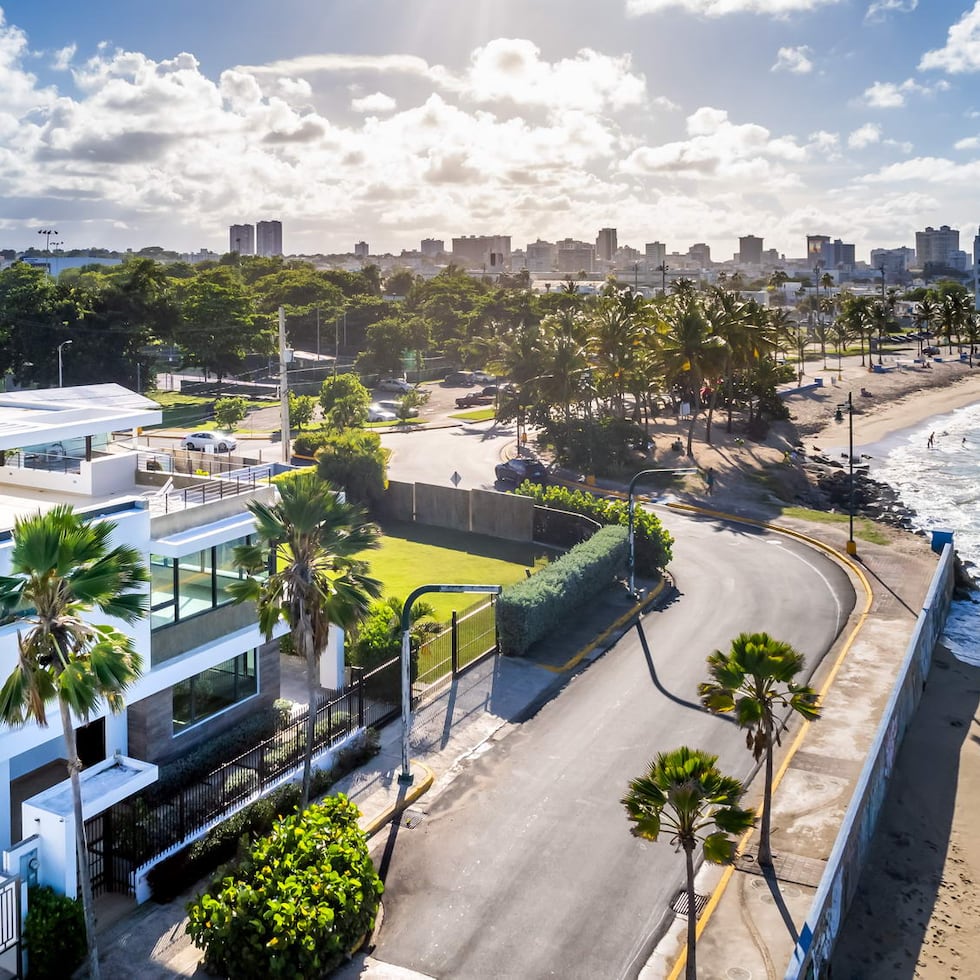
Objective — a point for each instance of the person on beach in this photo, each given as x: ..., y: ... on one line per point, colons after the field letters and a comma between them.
x: 931, y: 441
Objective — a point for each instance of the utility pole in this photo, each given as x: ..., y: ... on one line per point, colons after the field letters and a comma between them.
x: 283, y: 386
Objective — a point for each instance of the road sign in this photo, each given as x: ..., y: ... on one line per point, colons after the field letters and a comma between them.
x: 455, y: 479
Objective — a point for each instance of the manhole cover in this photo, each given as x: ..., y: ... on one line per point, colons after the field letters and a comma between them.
x: 679, y: 904
x: 411, y: 818
x: 738, y: 973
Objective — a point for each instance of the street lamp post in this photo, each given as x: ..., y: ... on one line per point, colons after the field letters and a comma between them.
x: 62, y: 345
x: 881, y: 320
x: 630, y: 506
x: 405, y: 777
x: 839, y: 417
x: 663, y: 269
x: 47, y: 232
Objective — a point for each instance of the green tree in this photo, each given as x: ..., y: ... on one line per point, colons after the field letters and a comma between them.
x: 61, y: 568
x: 344, y: 401
x: 753, y: 681
x: 316, y: 576
x: 228, y: 412
x: 686, y: 795
x: 301, y: 409
x: 355, y: 461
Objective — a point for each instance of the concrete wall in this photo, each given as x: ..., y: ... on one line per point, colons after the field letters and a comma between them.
x: 812, y: 954
x: 399, y: 501
x: 502, y: 515
x: 499, y: 515
x: 442, y: 506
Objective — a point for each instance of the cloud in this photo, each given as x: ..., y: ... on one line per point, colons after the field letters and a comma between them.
x: 719, y: 8
x: 878, y: 10
x: 962, y: 51
x: 967, y: 143
x: 61, y: 60
x: 796, y: 60
x: 888, y: 95
x: 928, y: 170
x: 864, y: 136
x: 376, y: 102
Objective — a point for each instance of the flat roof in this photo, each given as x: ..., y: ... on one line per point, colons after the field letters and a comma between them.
x: 40, y: 415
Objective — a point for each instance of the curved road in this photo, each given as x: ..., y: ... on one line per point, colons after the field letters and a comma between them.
x: 524, y: 866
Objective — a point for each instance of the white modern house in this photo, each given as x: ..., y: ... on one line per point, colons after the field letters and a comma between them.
x: 205, y: 663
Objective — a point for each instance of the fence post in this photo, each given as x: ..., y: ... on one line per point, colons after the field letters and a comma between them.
x: 455, y: 643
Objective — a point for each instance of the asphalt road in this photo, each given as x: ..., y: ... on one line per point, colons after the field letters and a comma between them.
x: 524, y: 866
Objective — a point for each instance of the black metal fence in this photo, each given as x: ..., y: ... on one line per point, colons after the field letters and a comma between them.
x: 134, y: 831
x: 470, y: 635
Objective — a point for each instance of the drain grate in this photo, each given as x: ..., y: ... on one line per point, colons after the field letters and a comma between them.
x: 410, y: 819
x: 679, y: 904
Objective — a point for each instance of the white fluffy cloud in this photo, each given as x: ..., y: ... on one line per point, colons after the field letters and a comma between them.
x: 879, y: 9
x: 796, y: 60
x: 962, y: 50
x: 376, y: 102
x: 719, y: 8
x: 889, y: 95
x: 864, y: 136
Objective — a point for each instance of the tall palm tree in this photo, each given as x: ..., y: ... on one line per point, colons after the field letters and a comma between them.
x: 315, y: 578
x: 753, y: 681
x: 685, y: 794
x: 925, y: 315
x: 62, y: 567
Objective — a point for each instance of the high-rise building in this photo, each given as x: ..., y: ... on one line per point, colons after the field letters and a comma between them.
x: 976, y: 271
x: 935, y: 246
x: 361, y: 250
x: 605, y: 244
x: 750, y: 250
x: 575, y: 257
x: 540, y: 256
x: 701, y: 254
x: 829, y: 255
x: 268, y: 238
x: 432, y: 247
x: 241, y: 239
x: 896, y: 261
x: 656, y: 253
x: 814, y: 248
x: 491, y: 253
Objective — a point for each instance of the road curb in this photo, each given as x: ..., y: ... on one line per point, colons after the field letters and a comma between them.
x: 396, y: 808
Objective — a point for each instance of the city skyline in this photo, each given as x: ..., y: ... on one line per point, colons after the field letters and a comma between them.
x: 679, y: 121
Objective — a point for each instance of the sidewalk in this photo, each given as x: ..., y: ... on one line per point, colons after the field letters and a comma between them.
x: 748, y: 927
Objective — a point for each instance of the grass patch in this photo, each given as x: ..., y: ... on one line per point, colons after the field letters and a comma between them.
x: 416, y: 554
x: 864, y: 528
x: 182, y: 411
x: 477, y: 415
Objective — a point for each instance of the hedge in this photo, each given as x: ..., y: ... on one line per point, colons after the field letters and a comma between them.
x: 54, y: 933
x: 297, y: 905
x: 538, y: 605
x: 652, y: 542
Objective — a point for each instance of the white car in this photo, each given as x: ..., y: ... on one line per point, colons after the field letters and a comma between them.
x: 394, y: 384
x: 210, y: 442
x: 379, y: 413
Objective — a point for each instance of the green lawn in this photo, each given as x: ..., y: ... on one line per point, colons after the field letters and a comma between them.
x: 477, y: 415
x: 415, y: 554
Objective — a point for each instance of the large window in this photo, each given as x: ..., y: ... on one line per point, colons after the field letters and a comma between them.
x: 212, y: 691
x: 193, y: 584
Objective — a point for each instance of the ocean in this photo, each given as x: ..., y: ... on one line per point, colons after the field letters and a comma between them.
x: 942, y: 485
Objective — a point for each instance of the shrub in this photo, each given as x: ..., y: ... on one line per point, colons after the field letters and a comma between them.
x: 356, y: 462
x: 538, y: 605
x: 54, y: 933
x: 228, y: 412
x: 172, y: 875
x: 652, y: 542
x: 297, y: 904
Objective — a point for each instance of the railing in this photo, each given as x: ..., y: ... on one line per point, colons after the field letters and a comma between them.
x: 203, y: 493
x: 50, y: 462
x: 469, y: 637
x: 10, y: 915
x: 133, y: 832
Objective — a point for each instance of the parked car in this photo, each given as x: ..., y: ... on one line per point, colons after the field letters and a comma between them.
x: 210, y: 442
x: 519, y: 469
x: 460, y: 379
x: 931, y: 351
x: 394, y: 384
x: 377, y: 412
x: 482, y: 378
x: 474, y: 398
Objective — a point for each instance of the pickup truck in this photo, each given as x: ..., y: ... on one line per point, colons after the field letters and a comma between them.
x: 474, y: 398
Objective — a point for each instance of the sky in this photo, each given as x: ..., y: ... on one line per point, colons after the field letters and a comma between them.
x: 127, y: 123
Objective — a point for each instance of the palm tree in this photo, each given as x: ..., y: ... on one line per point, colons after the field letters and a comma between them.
x: 316, y: 577
x: 754, y: 680
x: 62, y: 567
x: 684, y: 793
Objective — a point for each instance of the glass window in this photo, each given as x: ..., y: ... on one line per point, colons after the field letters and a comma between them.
x: 196, y: 583
x: 212, y: 691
